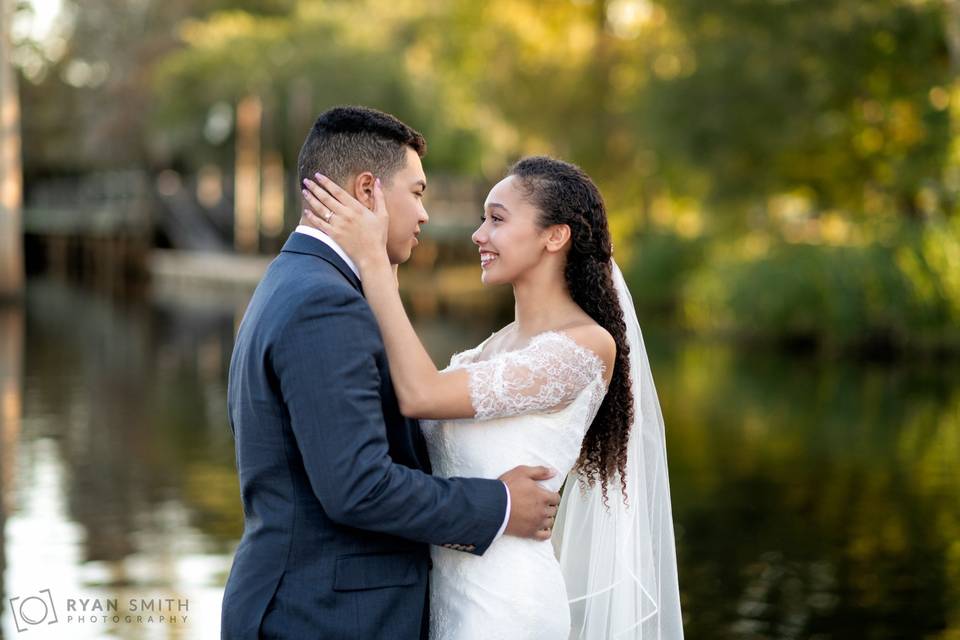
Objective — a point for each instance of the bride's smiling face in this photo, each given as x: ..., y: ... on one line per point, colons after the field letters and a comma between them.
x: 509, y: 238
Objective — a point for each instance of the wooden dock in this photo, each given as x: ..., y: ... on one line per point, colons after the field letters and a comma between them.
x: 205, y: 269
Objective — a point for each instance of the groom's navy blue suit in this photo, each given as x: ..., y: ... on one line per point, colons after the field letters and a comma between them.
x: 337, y: 501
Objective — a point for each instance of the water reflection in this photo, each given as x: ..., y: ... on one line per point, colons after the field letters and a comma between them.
x: 812, y: 499
x: 816, y: 500
x: 125, y: 485
x: 11, y: 403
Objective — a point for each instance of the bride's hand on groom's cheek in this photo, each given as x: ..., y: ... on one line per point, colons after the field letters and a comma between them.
x: 362, y: 233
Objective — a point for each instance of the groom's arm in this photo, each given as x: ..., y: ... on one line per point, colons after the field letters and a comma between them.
x: 325, y: 362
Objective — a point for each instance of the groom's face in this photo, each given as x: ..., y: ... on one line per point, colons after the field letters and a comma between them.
x: 403, y: 195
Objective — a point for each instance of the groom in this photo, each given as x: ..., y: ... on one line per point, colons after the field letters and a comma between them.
x: 338, y: 501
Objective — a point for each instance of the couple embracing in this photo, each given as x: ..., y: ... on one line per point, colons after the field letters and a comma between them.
x: 384, y: 498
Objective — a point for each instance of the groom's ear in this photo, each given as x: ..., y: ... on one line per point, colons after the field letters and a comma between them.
x: 363, y: 188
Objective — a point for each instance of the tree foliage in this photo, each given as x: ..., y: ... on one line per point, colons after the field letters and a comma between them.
x: 842, y: 102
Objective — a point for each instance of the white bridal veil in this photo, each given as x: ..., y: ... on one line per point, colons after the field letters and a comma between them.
x: 620, y: 563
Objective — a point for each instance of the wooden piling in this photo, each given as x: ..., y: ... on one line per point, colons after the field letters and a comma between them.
x: 11, y: 171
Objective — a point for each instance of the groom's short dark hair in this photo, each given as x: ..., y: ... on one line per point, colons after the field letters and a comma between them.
x: 346, y: 141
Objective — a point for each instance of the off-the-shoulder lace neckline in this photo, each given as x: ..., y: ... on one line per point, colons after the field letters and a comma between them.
x: 590, y: 354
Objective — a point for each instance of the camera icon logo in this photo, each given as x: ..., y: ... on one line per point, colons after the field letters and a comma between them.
x: 33, y: 610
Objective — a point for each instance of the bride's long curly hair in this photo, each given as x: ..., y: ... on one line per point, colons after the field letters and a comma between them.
x: 564, y: 194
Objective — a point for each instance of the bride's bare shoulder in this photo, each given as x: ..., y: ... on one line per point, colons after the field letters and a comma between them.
x: 594, y: 337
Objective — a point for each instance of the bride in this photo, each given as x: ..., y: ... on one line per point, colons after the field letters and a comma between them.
x: 567, y: 384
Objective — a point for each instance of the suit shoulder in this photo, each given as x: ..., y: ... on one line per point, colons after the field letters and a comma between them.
x: 312, y: 279
x: 299, y: 287
x: 308, y: 290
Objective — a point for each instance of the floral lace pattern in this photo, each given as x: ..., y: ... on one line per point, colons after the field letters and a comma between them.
x: 546, y: 375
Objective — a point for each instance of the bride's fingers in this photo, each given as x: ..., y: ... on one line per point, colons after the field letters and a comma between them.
x: 320, y: 222
x: 314, y: 220
x: 322, y: 195
x: 338, y: 192
x: 315, y: 204
x: 318, y: 212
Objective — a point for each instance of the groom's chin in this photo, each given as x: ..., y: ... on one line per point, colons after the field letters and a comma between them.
x: 400, y: 257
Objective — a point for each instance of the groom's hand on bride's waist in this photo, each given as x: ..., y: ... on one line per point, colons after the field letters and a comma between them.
x: 533, y: 509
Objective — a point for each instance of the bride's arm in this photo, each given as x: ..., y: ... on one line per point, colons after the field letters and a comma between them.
x: 422, y: 391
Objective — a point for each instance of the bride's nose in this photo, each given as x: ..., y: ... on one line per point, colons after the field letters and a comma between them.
x: 479, y: 236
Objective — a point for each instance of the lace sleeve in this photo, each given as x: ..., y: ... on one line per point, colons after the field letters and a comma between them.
x: 546, y: 375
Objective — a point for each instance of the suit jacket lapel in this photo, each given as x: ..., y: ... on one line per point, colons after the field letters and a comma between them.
x: 302, y: 243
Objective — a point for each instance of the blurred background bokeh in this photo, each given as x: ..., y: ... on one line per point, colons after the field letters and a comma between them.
x: 783, y: 183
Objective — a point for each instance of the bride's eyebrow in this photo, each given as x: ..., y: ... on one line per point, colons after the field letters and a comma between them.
x: 496, y: 205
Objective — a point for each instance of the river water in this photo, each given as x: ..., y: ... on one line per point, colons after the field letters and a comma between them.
x: 812, y: 499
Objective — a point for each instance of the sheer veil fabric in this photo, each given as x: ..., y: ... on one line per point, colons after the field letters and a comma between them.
x: 620, y: 563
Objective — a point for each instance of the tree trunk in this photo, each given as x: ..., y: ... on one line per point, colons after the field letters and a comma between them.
x: 952, y: 17
x: 246, y: 191
x: 11, y: 173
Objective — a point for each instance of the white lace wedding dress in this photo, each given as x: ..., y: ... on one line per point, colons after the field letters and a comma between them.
x: 533, y: 407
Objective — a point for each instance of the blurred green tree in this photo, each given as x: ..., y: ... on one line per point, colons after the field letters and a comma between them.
x: 716, y: 131
x: 846, y: 101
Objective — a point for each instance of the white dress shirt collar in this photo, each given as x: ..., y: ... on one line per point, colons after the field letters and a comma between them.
x: 330, y: 242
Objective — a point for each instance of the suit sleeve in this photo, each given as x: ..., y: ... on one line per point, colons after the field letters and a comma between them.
x: 325, y: 362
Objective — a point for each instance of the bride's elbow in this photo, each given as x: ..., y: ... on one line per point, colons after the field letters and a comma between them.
x: 429, y: 399
x: 411, y: 404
